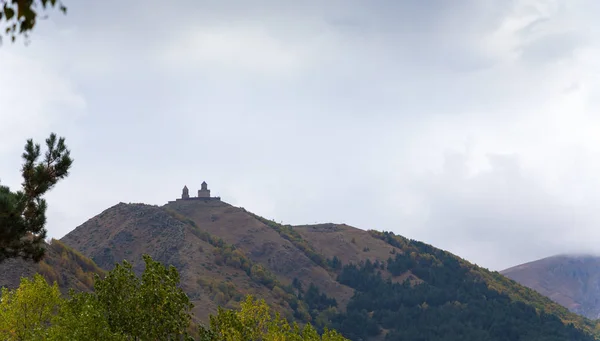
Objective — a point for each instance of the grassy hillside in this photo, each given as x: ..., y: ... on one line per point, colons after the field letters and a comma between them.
x: 62, y: 264
x: 367, y: 284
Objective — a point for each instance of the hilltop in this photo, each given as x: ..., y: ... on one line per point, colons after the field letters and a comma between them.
x: 221, y: 251
x: 570, y: 280
x: 366, y: 284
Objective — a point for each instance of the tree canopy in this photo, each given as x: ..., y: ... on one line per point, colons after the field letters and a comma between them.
x: 122, y: 307
x: 255, y: 321
x: 23, y: 213
x: 152, y: 307
x: 26, y: 311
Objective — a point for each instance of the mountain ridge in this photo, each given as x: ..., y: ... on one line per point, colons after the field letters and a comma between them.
x: 310, y: 273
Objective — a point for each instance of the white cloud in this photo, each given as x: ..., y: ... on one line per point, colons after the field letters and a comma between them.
x: 311, y: 112
x: 34, y: 98
x: 236, y: 49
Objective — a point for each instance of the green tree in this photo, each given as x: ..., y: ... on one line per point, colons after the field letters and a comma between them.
x: 23, y: 213
x: 152, y: 307
x: 254, y: 321
x: 26, y: 312
x: 82, y: 318
x: 20, y: 16
x: 36, y: 311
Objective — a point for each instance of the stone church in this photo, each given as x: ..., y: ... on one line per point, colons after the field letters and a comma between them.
x: 203, y: 193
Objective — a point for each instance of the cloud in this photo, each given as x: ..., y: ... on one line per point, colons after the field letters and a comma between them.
x: 470, y: 126
x: 234, y: 49
x: 34, y: 98
x: 497, y: 216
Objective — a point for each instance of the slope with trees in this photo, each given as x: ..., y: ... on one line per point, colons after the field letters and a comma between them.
x: 452, y: 303
x: 121, y: 307
x: 124, y: 306
x: 399, y: 288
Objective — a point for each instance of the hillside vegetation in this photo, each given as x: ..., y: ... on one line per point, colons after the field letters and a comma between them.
x: 125, y: 306
x: 366, y: 284
x: 455, y: 301
x: 61, y: 264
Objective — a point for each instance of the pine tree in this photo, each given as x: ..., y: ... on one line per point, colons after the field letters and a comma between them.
x: 23, y: 213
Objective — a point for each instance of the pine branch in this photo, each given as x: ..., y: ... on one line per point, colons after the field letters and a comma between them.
x: 23, y: 213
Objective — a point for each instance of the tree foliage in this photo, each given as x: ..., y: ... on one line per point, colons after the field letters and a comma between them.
x: 255, y: 321
x: 19, y: 17
x: 152, y: 307
x: 123, y: 307
x: 127, y: 307
x: 82, y: 318
x: 23, y: 213
x: 26, y: 311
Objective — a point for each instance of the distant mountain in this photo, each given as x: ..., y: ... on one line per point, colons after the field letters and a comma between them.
x: 570, y: 280
x: 369, y: 285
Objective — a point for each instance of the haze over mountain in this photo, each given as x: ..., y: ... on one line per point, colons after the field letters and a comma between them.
x: 471, y: 126
x: 570, y: 280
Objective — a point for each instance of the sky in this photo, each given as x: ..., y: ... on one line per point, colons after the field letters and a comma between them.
x: 471, y: 125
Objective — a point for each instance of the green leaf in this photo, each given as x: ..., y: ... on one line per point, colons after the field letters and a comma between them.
x: 9, y: 12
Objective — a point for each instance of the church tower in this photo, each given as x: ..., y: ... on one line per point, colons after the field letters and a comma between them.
x: 204, y: 192
x: 185, y: 194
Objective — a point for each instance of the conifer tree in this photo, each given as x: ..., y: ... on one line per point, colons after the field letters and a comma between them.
x: 23, y: 213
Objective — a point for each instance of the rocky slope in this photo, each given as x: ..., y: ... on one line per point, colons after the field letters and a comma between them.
x: 572, y: 281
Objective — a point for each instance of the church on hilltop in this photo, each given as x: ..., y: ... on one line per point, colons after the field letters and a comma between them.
x: 203, y: 193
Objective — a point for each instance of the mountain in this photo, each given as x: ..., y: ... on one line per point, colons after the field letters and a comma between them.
x: 221, y: 251
x: 570, y: 280
x: 369, y: 285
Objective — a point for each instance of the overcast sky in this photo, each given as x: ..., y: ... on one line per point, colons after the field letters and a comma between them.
x: 472, y: 125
